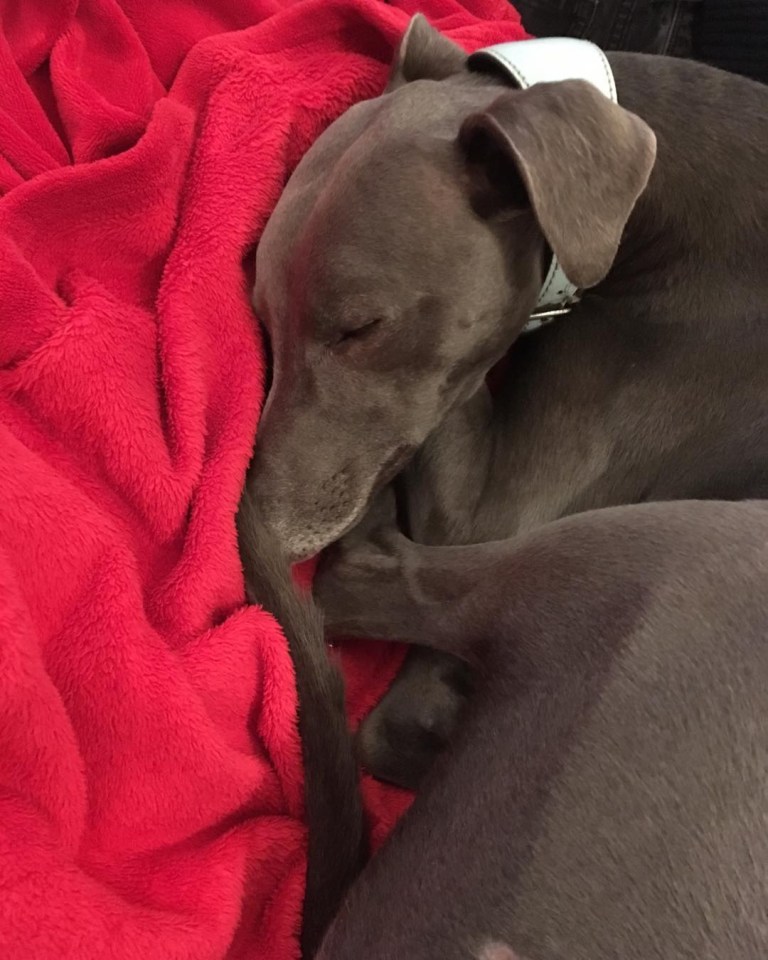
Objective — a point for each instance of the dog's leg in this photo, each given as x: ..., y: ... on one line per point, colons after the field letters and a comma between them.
x: 415, y: 719
x: 378, y: 584
x: 365, y: 584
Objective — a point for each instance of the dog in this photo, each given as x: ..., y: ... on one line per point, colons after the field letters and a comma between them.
x: 402, y: 264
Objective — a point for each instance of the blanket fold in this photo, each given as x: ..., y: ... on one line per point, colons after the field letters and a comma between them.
x: 150, y: 773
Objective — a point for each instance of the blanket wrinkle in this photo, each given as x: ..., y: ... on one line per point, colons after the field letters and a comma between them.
x: 150, y: 773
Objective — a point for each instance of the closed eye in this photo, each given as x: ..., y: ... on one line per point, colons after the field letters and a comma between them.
x: 348, y: 338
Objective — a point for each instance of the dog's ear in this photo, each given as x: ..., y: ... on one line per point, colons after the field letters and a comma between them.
x: 574, y: 157
x: 424, y: 54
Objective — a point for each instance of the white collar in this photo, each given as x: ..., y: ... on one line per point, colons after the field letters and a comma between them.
x: 549, y: 60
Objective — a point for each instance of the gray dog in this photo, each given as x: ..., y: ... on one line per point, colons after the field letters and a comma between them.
x: 620, y: 653
x: 404, y: 259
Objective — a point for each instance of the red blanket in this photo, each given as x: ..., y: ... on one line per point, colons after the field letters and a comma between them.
x: 150, y: 777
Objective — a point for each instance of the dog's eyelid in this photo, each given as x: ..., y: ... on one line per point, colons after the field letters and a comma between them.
x: 355, y: 333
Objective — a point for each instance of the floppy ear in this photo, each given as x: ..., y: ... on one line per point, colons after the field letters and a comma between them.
x: 574, y: 157
x: 424, y: 54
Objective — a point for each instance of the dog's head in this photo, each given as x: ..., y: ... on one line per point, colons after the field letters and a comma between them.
x: 405, y: 256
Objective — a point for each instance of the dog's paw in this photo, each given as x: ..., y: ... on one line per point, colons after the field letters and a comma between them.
x: 415, y: 721
x: 357, y: 577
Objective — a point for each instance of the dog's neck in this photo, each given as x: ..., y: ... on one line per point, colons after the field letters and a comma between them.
x: 698, y: 210
x: 585, y: 411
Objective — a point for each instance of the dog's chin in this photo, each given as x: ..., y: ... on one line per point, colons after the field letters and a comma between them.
x: 303, y: 538
x: 310, y: 542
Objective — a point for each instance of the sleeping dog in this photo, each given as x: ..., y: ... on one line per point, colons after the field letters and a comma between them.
x: 402, y: 263
x: 404, y: 260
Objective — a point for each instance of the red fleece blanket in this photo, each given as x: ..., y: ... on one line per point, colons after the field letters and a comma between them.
x: 150, y: 774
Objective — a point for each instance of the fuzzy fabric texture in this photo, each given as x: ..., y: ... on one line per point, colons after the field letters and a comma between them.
x: 150, y: 770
